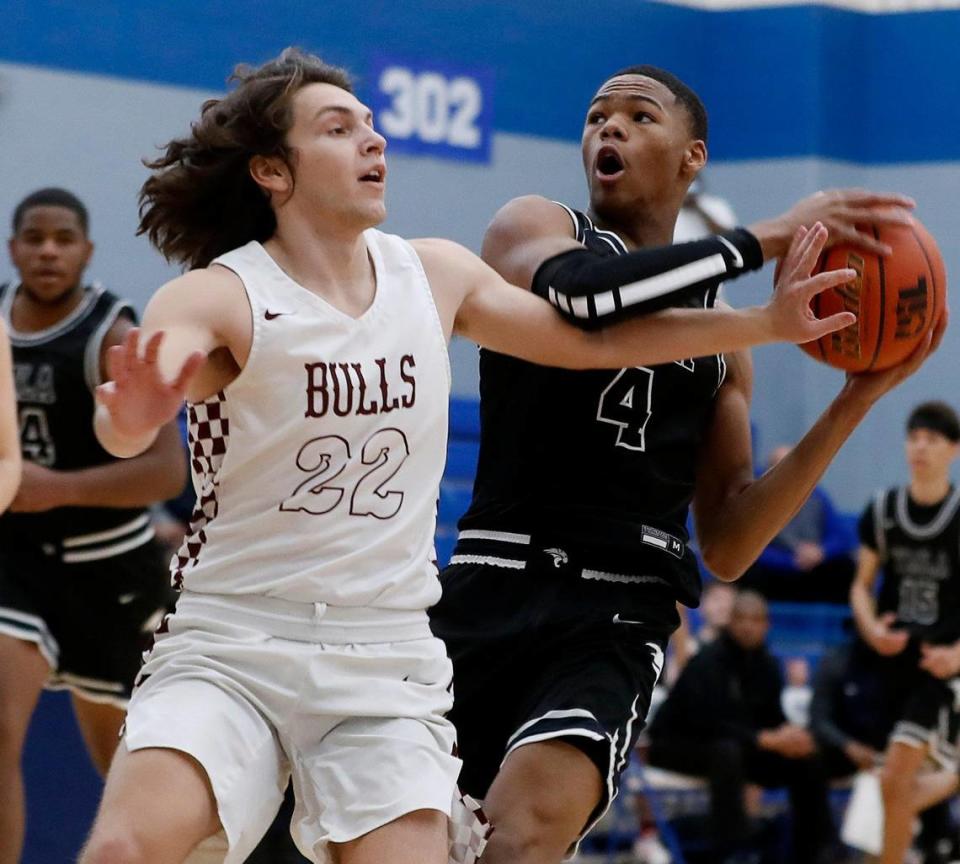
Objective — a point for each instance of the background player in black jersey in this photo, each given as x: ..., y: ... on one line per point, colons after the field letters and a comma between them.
x: 562, y: 587
x: 912, y: 534
x: 81, y: 579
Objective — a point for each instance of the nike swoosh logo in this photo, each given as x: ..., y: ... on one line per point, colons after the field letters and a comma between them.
x: 271, y: 315
x: 124, y: 599
x: 618, y: 620
x: 737, y: 257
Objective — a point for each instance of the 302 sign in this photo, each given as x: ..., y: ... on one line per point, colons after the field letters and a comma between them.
x: 432, y: 110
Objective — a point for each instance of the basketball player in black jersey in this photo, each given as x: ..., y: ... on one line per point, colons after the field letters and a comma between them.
x: 81, y: 580
x: 912, y: 534
x: 561, y: 591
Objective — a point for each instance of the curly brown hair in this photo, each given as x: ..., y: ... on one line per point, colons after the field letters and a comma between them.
x: 201, y: 200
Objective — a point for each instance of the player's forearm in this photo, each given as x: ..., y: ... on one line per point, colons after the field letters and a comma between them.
x: 136, y: 482
x: 10, y: 468
x: 864, y: 609
x: 590, y: 289
x: 748, y: 519
x: 676, y: 334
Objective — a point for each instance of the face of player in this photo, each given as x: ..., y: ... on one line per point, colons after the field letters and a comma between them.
x: 638, y: 150
x: 50, y: 251
x: 338, y: 158
x: 929, y: 454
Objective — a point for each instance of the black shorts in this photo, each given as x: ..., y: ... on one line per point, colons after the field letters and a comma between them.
x: 92, y: 621
x: 928, y: 717
x: 538, y: 655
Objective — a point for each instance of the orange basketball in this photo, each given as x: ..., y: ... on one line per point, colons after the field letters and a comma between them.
x: 897, y: 299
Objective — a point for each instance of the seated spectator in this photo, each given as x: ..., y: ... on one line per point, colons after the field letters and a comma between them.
x: 723, y: 721
x: 797, y: 695
x: 811, y: 559
x: 849, y: 717
x: 716, y: 604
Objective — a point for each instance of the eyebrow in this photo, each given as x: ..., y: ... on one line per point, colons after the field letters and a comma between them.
x: 603, y: 97
x: 342, y: 109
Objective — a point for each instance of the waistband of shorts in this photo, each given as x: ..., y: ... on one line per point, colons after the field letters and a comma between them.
x: 309, y: 622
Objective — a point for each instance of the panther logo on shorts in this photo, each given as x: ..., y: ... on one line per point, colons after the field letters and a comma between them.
x: 559, y: 557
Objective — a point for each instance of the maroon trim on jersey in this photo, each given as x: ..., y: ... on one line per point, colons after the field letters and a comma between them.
x: 208, y: 435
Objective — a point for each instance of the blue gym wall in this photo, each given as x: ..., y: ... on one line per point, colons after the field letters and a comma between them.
x: 800, y: 98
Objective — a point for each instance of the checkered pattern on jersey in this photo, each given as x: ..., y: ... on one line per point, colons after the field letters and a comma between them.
x: 208, y: 432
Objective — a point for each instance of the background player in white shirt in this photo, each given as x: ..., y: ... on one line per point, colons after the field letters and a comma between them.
x: 324, y: 665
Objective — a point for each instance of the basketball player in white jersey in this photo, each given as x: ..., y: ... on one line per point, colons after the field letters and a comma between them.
x: 9, y: 434
x: 311, y: 349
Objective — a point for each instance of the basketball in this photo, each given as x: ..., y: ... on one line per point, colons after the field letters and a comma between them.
x: 896, y: 299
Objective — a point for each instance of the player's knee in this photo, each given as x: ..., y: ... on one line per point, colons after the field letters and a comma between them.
x: 538, y: 827
x: 114, y: 845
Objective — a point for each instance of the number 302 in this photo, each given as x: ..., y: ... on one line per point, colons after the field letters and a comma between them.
x: 428, y: 106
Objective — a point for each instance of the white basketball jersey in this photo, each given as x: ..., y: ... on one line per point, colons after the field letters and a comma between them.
x: 317, y: 470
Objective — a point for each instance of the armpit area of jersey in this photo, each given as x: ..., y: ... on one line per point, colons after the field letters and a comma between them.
x: 592, y: 289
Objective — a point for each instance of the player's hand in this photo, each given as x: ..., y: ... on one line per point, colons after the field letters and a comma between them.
x: 137, y: 398
x: 792, y: 317
x: 870, y: 386
x: 864, y: 757
x: 41, y: 489
x: 807, y: 555
x: 840, y: 211
x: 884, y: 640
x: 941, y: 661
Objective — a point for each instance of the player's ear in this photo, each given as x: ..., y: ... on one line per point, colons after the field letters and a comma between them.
x: 694, y: 158
x: 272, y: 175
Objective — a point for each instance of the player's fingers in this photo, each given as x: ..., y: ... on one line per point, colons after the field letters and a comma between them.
x: 822, y: 326
x: 811, y: 247
x: 856, y: 197
x: 152, y: 349
x: 116, y: 362
x: 845, y: 233
x: 106, y: 394
x: 131, y: 345
x: 828, y: 279
x: 805, y: 240
x: 189, y: 369
x: 876, y: 215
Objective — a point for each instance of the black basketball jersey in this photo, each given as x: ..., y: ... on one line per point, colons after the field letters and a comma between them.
x: 919, y: 548
x: 600, y: 461
x: 55, y: 373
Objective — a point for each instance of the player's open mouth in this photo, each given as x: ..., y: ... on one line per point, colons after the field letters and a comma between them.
x: 609, y: 164
x: 375, y: 175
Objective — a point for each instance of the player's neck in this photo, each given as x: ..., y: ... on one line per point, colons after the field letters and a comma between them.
x: 29, y: 315
x: 334, y: 265
x: 639, y: 232
x: 929, y: 490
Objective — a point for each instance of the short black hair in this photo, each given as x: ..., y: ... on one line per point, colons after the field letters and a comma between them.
x: 683, y: 93
x: 52, y: 196
x: 937, y: 417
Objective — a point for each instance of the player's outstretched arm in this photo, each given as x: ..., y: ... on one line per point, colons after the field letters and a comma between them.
x: 530, y: 242
x: 156, y: 368
x: 485, y: 308
x: 737, y: 515
x: 10, y: 460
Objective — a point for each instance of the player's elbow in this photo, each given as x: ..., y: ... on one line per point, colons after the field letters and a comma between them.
x: 723, y: 562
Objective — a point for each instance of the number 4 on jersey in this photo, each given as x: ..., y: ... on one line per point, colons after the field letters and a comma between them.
x: 626, y: 403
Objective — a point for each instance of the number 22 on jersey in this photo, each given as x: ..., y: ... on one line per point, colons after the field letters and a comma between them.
x: 327, y: 457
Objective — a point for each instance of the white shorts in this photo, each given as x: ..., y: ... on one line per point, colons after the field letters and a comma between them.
x: 350, y: 702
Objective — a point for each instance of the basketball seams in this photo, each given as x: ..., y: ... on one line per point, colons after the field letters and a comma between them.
x: 932, y: 271
x: 883, y: 306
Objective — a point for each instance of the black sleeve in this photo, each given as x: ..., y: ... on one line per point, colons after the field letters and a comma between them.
x: 826, y: 688
x: 771, y: 711
x: 867, y: 527
x: 592, y: 289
